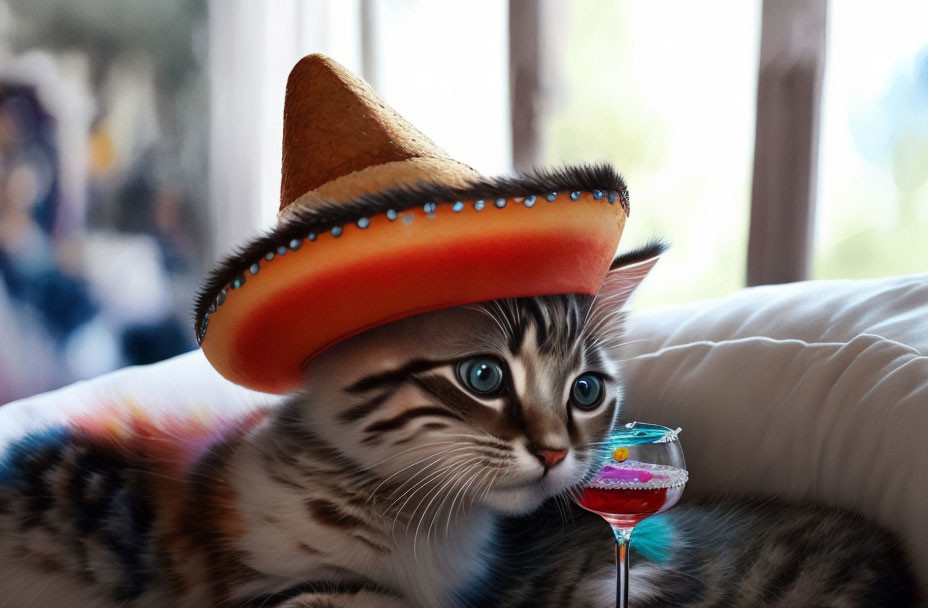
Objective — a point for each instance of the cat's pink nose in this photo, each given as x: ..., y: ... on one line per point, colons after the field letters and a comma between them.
x: 549, y: 458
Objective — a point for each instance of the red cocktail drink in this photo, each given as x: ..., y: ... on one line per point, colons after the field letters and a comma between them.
x: 628, y: 492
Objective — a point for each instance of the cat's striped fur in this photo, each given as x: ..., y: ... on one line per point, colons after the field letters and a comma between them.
x: 753, y: 553
x: 388, y: 483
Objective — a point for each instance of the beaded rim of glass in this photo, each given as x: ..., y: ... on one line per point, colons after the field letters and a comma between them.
x: 665, y: 477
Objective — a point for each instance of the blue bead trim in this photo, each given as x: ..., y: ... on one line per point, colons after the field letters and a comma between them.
x: 392, y: 214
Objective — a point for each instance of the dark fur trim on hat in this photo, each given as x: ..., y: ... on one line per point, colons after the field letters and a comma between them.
x: 653, y: 248
x: 321, y: 218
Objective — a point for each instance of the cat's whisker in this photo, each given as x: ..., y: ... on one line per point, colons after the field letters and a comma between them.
x: 481, y: 440
x: 472, y: 487
x: 414, y: 488
x: 428, y: 476
x: 477, y: 486
x: 407, y: 467
x: 489, y: 314
x: 505, y: 318
x: 413, y: 482
x: 420, y: 486
x: 419, y: 472
x: 413, y: 449
x: 568, y: 507
x: 467, y: 479
x: 439, y: 491
x: 445, y: 493
x: 427, y: 456
x: 460, y: 483
x: 453, y: 478
x: 437, y: 487
x: 461, y: 490
x: 487, y: 489
x: 557, y: 505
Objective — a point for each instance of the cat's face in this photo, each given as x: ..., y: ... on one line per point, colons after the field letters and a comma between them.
x: 497, y: 403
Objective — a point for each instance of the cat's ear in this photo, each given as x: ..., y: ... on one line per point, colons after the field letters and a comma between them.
x: 626, y: 273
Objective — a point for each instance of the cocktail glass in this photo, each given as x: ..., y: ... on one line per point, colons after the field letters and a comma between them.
x: 639, y: 471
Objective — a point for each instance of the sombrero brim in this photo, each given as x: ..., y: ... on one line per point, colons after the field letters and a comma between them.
x: 329, y: 272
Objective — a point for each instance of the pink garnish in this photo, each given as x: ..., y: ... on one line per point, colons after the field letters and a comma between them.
x: 613, y: 473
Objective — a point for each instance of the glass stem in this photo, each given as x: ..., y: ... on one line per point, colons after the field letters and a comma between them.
x: 622, y: 538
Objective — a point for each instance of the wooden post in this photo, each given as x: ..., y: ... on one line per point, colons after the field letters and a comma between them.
x: 525, y: 81
x: 369, y: 43
x: 789, y: 88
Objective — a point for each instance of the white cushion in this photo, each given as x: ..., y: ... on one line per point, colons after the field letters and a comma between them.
x: 182, y: 386
x: 810, y: 390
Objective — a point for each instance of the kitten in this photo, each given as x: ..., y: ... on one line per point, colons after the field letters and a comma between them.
x: 402, y: 476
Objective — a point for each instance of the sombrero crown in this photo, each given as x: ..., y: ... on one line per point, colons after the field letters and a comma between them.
x: 377, y: 223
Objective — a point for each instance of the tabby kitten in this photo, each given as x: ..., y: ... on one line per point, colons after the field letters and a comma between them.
x: 402, y: 476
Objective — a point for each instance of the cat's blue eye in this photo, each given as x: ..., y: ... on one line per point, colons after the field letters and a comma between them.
x: 482, y: 375
x: 587, y: 392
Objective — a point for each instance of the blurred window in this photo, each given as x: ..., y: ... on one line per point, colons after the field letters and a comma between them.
x: 666, y: 92
x: 103, y: 159
x: 443, y: 66
x: 872, y: 216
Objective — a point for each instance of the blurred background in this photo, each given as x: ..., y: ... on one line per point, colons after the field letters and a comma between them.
x: 139, y: 141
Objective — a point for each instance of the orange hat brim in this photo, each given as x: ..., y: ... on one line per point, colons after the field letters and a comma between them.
x: 259, y: 330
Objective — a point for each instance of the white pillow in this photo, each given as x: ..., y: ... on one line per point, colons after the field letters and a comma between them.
x: 182, y: 386
x: 809, y: 390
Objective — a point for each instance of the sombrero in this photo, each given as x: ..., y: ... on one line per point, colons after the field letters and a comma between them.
x: 377, y: 223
